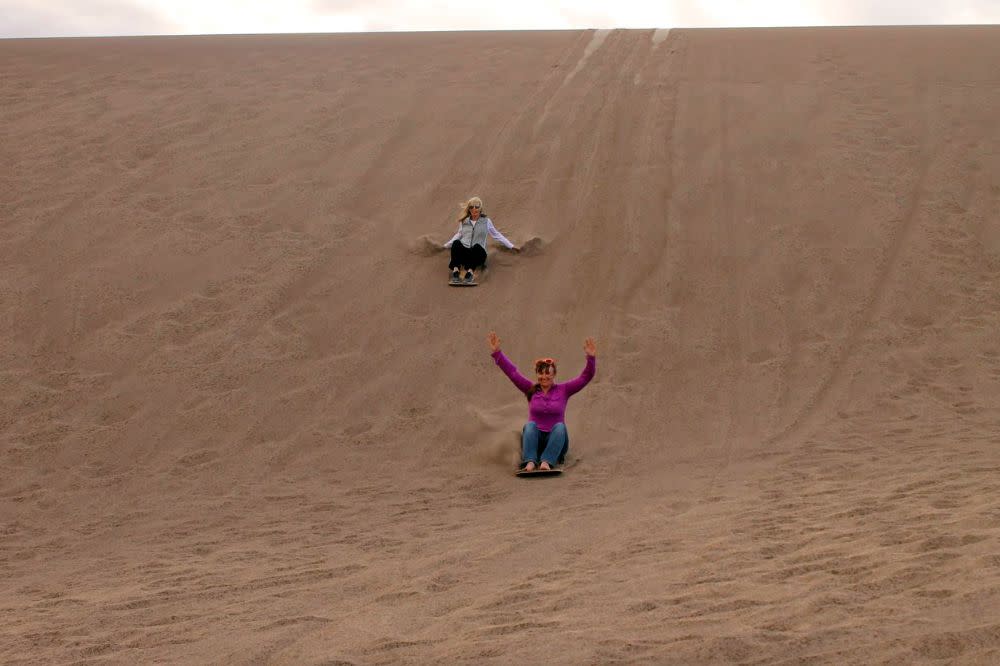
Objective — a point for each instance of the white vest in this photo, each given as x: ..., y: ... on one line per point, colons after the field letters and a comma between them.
x: 475, y: 234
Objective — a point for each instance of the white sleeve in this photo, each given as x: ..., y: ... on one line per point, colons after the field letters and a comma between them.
x: 497, y: 235
x: 458, y: 234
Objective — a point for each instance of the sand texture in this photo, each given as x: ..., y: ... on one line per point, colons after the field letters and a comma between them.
x: 244, y: 419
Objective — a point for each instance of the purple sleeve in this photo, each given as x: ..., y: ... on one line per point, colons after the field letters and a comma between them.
x: 520, y: 381
x: 574, y: 385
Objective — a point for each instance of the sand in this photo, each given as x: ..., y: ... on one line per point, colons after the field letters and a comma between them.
x: 245, y: 420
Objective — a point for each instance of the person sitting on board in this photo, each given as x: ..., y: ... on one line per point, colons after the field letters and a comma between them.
x: 544, y: 439
x: 468, y: 255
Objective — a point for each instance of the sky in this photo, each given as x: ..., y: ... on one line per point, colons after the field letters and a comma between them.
x: 83, y: 18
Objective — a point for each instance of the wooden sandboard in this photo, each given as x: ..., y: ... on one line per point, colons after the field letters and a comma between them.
x: 462, y: 284
x: 539, y: 472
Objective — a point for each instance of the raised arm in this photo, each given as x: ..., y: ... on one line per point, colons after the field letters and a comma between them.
x: 493, y: 231
x: 517, y: 379
x: 574, y: 385
x: 458, y: 234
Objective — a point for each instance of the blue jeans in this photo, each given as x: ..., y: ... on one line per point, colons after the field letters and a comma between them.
x: 553, y: 445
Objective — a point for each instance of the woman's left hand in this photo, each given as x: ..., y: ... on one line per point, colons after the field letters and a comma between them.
x: 590, y: 347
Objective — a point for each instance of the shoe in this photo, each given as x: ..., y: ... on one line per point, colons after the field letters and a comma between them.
x: 468, y: 277
x: 455, y: 276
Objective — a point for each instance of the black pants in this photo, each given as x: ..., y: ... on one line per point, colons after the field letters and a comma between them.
x: 472, y: 258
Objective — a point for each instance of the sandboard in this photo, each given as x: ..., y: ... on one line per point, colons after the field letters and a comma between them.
x: 539, y: 472
x: 462, y: 283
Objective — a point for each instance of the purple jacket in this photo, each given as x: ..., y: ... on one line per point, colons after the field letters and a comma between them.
x: 546, y: 410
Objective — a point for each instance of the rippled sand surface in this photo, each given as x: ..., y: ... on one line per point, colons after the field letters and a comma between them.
x: 243, y: 418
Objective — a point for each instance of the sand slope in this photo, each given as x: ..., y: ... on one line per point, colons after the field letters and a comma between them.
x: 243, y: 419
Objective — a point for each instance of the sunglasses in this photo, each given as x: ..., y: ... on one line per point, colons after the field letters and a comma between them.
x: 475, y: 206
x: 542, y: 362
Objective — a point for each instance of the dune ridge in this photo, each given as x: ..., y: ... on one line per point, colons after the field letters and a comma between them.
x: 244, y: 419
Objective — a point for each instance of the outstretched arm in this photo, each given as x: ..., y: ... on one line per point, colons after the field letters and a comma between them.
x: 499, y: 236
x: 590, y: 349
x: 520, y: 381
x: 458, y: 234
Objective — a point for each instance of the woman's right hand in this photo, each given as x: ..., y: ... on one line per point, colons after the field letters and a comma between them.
x: 494, y: 341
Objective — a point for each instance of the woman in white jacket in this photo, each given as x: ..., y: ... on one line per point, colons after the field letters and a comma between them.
x: 468, y: 254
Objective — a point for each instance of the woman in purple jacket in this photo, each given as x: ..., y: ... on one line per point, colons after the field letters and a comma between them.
x: 545, y: 432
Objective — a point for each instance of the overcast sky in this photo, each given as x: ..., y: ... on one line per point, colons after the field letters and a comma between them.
x: 56, y: 18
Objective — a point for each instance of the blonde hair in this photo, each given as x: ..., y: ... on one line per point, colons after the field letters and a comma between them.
x: 464, y: 208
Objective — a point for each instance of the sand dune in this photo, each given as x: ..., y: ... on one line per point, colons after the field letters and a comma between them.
x: 245, y: 420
